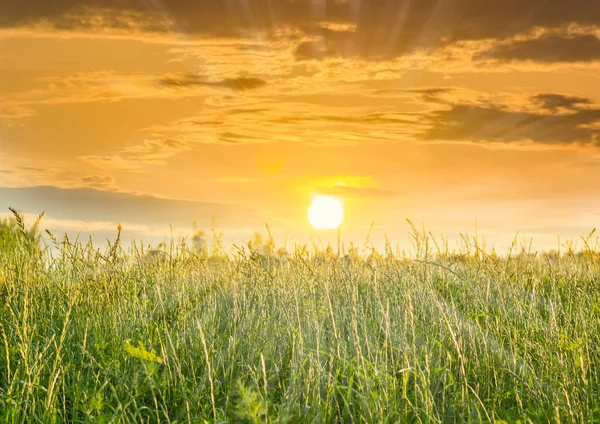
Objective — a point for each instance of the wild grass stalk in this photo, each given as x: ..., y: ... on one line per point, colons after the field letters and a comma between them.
x: 122, y: 335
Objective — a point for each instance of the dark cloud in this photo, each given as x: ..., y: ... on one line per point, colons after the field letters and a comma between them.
x: 173, y: 144
x: 192, y: 80
x: 548, y: 48
x: 214, y: 17
x: 88, y: 204
x: 242, y: 83
x: 384, y: 29
x: 312, y: 50
x: 554, y: 102
x: 432, y: 95
x: 499, y: 124
x: 373, y: 29
x: 99, y: 182
x: 238, y: 111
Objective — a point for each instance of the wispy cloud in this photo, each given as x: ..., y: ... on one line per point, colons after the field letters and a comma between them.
x: 10, y: 113
x: 155, y: 151
x: 111, y: 163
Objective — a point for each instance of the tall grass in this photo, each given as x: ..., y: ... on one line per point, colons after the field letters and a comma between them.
x: 114, y: 335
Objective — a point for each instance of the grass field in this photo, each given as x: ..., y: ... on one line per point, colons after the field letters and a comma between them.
x: 120, y: 335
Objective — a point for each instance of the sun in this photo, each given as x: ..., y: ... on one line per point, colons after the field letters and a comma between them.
x: 325, y: 213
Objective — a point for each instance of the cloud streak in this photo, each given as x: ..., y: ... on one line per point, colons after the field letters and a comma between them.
x: 548, y: 48
x: 191, y: 80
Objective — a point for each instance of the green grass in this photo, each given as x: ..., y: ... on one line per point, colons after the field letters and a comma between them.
x: 92, y: 335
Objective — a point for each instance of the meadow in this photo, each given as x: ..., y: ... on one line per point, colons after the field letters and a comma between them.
x: 121, y: 334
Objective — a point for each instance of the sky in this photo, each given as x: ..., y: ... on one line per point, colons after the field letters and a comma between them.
x: 465, y: 116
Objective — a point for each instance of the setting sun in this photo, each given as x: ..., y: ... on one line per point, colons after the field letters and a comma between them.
x: 325, y: 213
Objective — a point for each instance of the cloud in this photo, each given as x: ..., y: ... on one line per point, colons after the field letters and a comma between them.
x: 36, y: 170
x: 555, y: 102
x: 242, y: 83
x: 377, y: 29
x: 12, y: 112
x: 433, y: 94
x: 56, y: 225
x: 296, y: 122
x: 155, y: 151
x: 99, y: 182
x: 548, y: 48
x: 110, y: 85
x: 330, y: 43
x: 80, y: 87
x: 111, y: 163
x: 308, y: 50
x: 498, y: 123
x: 387, y: 30
x: 85, y: 15
x: 371, y: 118
x: 191, y: 80
x: 86, y: 204
x: 152, y: 151
x: 25, y: 172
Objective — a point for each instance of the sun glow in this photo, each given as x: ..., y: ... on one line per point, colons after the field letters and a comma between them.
x: 325, y: 213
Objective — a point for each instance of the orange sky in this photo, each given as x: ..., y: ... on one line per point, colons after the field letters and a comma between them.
x: 453, y: 113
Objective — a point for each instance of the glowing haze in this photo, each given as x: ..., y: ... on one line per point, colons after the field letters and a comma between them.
x: 459, y: 114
